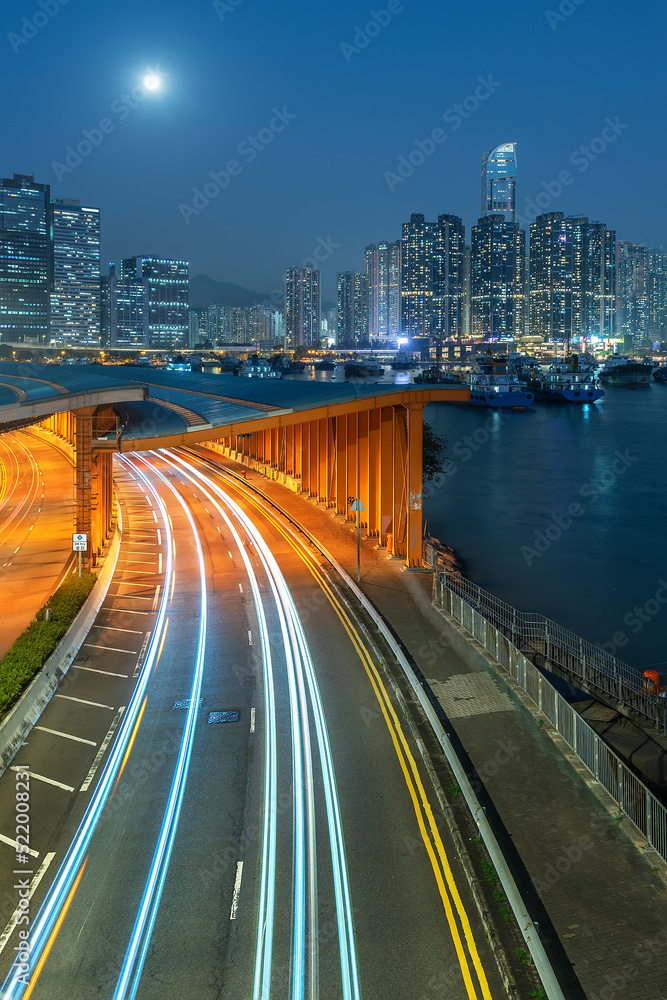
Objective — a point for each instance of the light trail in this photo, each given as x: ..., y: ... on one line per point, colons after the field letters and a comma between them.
x: 27, y: 499
x: 59, y: 892
x: 135, y: 956
x: 266, y: 917
x: 301, y: 660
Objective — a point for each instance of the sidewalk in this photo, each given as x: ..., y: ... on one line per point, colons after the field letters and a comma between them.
x: 601, y: 906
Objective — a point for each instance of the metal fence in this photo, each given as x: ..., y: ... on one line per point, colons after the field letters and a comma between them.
x: 548, y: 644
x: 474, y: 609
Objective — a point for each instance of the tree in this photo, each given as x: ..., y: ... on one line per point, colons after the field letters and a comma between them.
x: 434, y: 452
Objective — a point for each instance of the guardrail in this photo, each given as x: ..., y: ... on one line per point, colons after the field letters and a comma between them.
x: 633, y: 797
x: 549, y: 644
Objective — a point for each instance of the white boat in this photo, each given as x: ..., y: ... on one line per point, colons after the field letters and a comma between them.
x: 258, y: 368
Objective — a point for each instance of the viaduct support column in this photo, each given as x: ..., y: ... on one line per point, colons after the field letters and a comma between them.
x: 400, y: 490
x: 83, y: 475
x: 415, y: 476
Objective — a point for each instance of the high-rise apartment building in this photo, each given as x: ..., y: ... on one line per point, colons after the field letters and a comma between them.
x: 168, y: 297
x: 75, y: 300
x: 26, y: 259
x: 572, y: 278
x: 499, y: 181
x: 656, y: 281
x: 382, y: 264
x: 302, y: 307
x: 449, y: 247
x: 632, y: 292
x: 497, y: 278
x: 417, y: 247
x: 124, y: 311
x: 352, y: 309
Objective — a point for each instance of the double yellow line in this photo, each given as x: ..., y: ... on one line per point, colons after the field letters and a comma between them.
x: 461, y: 931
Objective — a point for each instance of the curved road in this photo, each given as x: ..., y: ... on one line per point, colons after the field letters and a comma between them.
x: 36, y: 509
x: 259, y: 823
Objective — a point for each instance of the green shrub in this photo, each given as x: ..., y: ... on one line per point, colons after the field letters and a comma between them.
x: 31, y: 650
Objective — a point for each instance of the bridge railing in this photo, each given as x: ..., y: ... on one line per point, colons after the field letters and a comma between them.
x: 513, y: 637
x: 550, y: 645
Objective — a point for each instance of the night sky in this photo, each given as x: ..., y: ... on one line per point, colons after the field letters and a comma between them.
x: 359, y: 102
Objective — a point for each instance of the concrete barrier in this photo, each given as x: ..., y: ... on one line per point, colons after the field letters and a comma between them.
x: 23, y: 716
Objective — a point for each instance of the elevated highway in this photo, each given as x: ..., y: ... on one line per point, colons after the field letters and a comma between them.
x: 330, y: 441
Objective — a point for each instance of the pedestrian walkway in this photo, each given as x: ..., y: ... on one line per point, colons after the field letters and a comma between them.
x: 600, y: 902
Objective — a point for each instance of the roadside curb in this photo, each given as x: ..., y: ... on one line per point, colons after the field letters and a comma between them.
x: 36, y: 697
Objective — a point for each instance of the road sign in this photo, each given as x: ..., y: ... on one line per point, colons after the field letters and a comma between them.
x: 79, y: 543
x: 357, y: 505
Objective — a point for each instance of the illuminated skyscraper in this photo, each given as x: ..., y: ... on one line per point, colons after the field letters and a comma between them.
x: 448, y: 277
x: 352, y: 309
x: 302, y: 307
x: 75, y: 300
x: 167, y: 282
x: 498, y: 278
x: 382, y: 264
x: 499, y: 181
x: 572, y: 278
x: 417, y: 245
x: 124, y: 310
x: 26, y: 259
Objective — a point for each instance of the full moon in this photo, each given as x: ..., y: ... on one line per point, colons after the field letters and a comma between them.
x: 152, y: 81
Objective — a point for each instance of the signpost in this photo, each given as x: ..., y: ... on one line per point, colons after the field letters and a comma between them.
x: 79, y: 544
x: 355, y: 504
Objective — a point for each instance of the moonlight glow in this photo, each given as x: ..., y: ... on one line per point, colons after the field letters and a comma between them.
x: 152, y: 82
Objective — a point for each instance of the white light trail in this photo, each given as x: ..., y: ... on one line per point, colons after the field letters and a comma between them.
x: 47, y: 917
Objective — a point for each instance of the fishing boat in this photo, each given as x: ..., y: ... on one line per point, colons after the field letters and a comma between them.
x: 492, y: 384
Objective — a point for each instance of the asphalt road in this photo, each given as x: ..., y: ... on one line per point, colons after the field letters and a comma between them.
x: 36, y: 504
x: 295, y: 850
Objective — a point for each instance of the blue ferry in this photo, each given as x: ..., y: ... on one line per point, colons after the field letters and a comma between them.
x: 566, y: 382
x: 491, y: 384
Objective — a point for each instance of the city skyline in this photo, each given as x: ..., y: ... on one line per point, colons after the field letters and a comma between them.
x: 323, y: 175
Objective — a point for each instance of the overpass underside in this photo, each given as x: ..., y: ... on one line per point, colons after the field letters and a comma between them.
x: 374, y: 455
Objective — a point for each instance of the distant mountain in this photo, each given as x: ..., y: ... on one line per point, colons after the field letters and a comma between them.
x: 205, y: 290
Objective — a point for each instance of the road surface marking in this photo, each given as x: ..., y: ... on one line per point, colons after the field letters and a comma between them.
x: 137, y: 572
x: 114, y: 628
x: 249, y: 637
x: 132, y: 583
x: 252, y: 720
x: 157, y: 598
x: 95, y: 704
x: 142, y: 562
x: 93, y: 670
x: 132, y: 597
x: 66, y: 736
x: 237, y: 890
x: 100, y: 753
x: 7, y: 933
x: 229, y: 553
x: 12, y: 843
x: 159, y: 537
x: 112, y: 649
x: 241, y: 587
x: 159, y: 562
x: 154, y: 516
x: 125, y: 611
x: 47, y: 781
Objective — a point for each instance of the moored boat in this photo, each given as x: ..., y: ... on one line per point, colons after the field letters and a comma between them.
x: 564, y: 382
x: 368, y: 368
x: 491, y: 384
x: 622, y: 370
x: 437, y: 376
